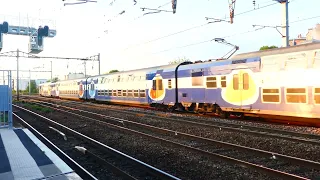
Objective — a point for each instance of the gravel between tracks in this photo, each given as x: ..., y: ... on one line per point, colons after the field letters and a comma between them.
x: 88, y: 163
x: 176, y: 161
x: 305, y: 151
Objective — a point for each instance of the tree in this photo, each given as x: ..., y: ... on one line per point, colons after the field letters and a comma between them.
x: 33, y: 87
x: 179, y: 60
x: 267, y: 47
x: 53, y: 80
x: 113, y: 71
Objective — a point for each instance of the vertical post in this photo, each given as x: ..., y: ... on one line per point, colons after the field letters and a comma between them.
x: 85, y: 68
x: 17, y: 75
x: 99, y: 62
x: 29, y: 82
x: 10, y: 100
x: 51, y: 70
x: 285, y: 23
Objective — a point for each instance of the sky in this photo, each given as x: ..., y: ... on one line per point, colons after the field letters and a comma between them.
x: 132, y: 41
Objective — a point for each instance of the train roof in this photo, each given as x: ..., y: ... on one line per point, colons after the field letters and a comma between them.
x: 170, y: 67
x: 283, y: 50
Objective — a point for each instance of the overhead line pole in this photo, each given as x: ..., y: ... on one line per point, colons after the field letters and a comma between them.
x: 17, y: 75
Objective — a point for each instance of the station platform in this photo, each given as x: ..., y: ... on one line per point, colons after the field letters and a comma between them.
x: 24, y: 157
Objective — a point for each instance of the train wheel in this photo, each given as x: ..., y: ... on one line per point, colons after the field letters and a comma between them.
x: 224, y: 114
x: 201, y: 112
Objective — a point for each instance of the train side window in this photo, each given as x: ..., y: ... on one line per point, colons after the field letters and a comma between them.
x: 142, y: 93
x: 245, y: 81
x: 110, y: 92
x: 169, y: 84
x: 296, y: 95
x: 235, y: 82
x: 317, y: 95
x: 211, y: 82
x: 223, y: 81
x: 270, y: 95
x: 124, y: 93
x: 136, y: 93
x: 130, y: 94
x: 114, y: 93
x: 197, y: 78
x: 119, y: 93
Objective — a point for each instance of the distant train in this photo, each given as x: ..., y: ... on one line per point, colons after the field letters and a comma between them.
x: 276, y: 82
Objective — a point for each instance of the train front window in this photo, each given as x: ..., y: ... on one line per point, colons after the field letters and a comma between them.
x: 92, y: 87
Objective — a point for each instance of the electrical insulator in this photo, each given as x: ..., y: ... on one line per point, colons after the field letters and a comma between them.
x: 254, y: 4
x: 174, y: 6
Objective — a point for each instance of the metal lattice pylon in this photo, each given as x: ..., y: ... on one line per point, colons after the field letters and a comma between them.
x: 232, y: 5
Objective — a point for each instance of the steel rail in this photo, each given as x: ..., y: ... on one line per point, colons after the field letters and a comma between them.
x: 260, y: 168
x: 73, y: 164
x: 237, y: 128
x: 148, y: 167
x: 121, y: 121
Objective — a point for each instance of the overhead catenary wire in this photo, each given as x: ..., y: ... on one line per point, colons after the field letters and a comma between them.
x: 194, y: 27
x: 245, y: 32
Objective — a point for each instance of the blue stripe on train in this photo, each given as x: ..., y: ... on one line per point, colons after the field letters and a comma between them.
x: 200, y: 95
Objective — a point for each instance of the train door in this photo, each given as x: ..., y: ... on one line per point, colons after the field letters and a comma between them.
x: 241, y: 86
x: 157, y: 91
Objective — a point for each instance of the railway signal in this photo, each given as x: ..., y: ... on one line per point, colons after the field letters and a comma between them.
x: 42, y: 32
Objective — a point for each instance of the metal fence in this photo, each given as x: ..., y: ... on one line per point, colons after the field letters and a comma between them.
x: 5, y: 99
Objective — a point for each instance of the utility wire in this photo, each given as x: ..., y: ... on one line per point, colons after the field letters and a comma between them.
x: 305, y: 19
x: 246, y: 32
x: 191, y: 28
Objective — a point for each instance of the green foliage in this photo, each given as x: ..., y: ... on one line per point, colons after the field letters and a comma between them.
x: 53, y: 80
x: 267, y: 47
x: 113, y: 71
x: 179, y: 60
x: 33, y: 87
x: 38, y: 108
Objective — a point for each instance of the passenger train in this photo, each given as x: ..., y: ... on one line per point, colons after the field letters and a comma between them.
x: 282, y: 82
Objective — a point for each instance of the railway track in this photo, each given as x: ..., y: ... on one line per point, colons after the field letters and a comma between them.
x: 110, y: 157
x: 270, y: 163
x: 306, y: 138
x: 276, y: 121
x: 83, y: 173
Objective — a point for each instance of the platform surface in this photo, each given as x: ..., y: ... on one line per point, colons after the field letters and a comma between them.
x: 24, y: 157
